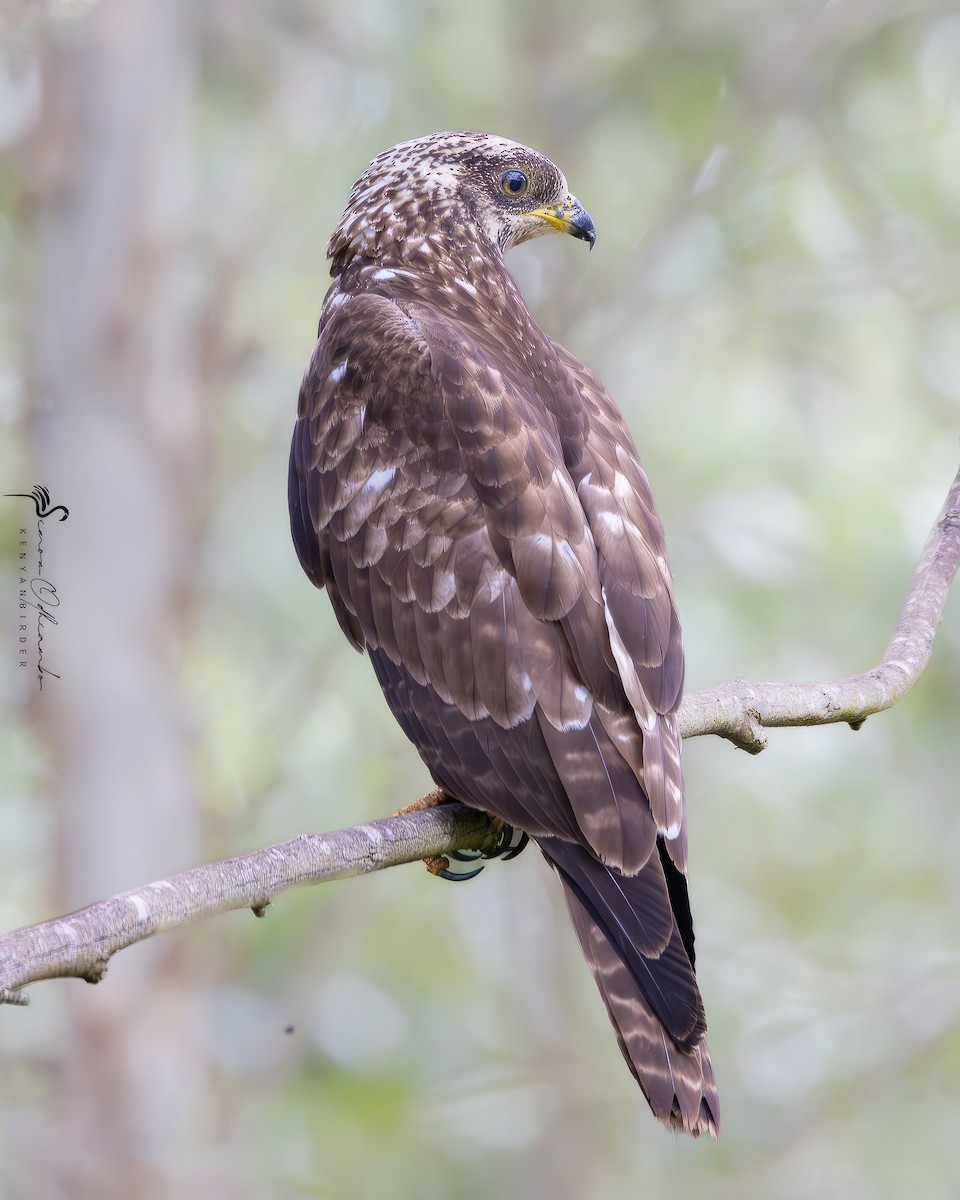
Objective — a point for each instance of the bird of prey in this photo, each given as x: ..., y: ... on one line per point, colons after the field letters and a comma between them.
x: 473, y: 503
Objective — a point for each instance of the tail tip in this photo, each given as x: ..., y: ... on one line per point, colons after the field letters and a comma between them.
x: 706, y: 1121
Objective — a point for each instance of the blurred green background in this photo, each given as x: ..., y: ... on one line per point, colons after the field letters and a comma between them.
x: 773, y: 301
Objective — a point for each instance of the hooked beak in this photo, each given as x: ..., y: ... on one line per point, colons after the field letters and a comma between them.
x: 569, y: 217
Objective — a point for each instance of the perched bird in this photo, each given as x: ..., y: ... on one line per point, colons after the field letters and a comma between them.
x: 473, y: 503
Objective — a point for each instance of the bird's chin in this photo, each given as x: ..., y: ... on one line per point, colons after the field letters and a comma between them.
x: 528, y: 227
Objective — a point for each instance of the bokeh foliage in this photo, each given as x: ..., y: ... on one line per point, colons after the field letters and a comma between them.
x: 773, y: 301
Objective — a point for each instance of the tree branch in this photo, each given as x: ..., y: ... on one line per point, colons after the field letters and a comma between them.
x: 82, y: 943
x: 740, y: 710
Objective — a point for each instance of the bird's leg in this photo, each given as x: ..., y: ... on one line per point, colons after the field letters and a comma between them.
x: 431, y: 800
x: 506, y: 847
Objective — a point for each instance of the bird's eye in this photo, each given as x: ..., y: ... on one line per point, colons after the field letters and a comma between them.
x: 514, y: 183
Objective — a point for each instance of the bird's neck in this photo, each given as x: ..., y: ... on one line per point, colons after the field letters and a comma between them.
x: 446, y: 240
x: 460, y: 268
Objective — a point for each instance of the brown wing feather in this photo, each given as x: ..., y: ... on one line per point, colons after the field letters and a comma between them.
x: 640, y: 608
x: 483, y: 527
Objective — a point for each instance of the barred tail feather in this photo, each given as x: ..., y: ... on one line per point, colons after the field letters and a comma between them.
x: 652, y: 999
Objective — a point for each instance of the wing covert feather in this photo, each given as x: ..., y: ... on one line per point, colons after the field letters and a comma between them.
x: 532, y: 583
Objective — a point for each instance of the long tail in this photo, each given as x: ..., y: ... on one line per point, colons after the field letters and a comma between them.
x: 636, y: 936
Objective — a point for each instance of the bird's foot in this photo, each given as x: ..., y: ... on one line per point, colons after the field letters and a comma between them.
x: 509, y: 843
x: 439, y: 864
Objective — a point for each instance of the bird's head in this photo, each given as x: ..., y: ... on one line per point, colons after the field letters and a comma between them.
x: 437, y: 187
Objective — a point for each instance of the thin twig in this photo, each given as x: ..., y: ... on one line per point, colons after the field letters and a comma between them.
x: 82, y: 943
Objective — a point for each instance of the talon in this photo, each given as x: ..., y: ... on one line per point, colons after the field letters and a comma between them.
x: 513, y: 851
x: 459, y: 876
x: 439, y: 865
x: 503, y: 849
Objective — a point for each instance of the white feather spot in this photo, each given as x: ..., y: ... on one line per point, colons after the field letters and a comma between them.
x: 581, y: 722
x: 338, y: 372
x: 385, y: 273
x: 621, y: 486
x: 444, y: 590
x: 494, y: 582
x: 367, y: 192
x: 612, y: 522
x: 628, y: 672
x: 379, y: 480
